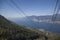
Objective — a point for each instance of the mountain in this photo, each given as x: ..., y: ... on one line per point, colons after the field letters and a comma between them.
x: 39, y: 22
x: 12, y: 31
x: 46, y: 17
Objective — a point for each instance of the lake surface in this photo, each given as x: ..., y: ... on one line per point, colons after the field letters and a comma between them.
x: 42, y: 25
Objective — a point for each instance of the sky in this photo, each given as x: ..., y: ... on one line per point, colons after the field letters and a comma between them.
x: 21, y: 8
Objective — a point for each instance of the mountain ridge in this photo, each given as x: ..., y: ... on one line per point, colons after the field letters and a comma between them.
x: 12, y: 31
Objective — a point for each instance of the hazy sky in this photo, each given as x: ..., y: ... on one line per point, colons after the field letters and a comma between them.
x: 12, y: 8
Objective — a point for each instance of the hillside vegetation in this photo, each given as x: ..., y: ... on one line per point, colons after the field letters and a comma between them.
x: 12, y: 31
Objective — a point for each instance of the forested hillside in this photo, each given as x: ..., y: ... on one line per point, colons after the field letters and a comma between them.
x: 11, y: 31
